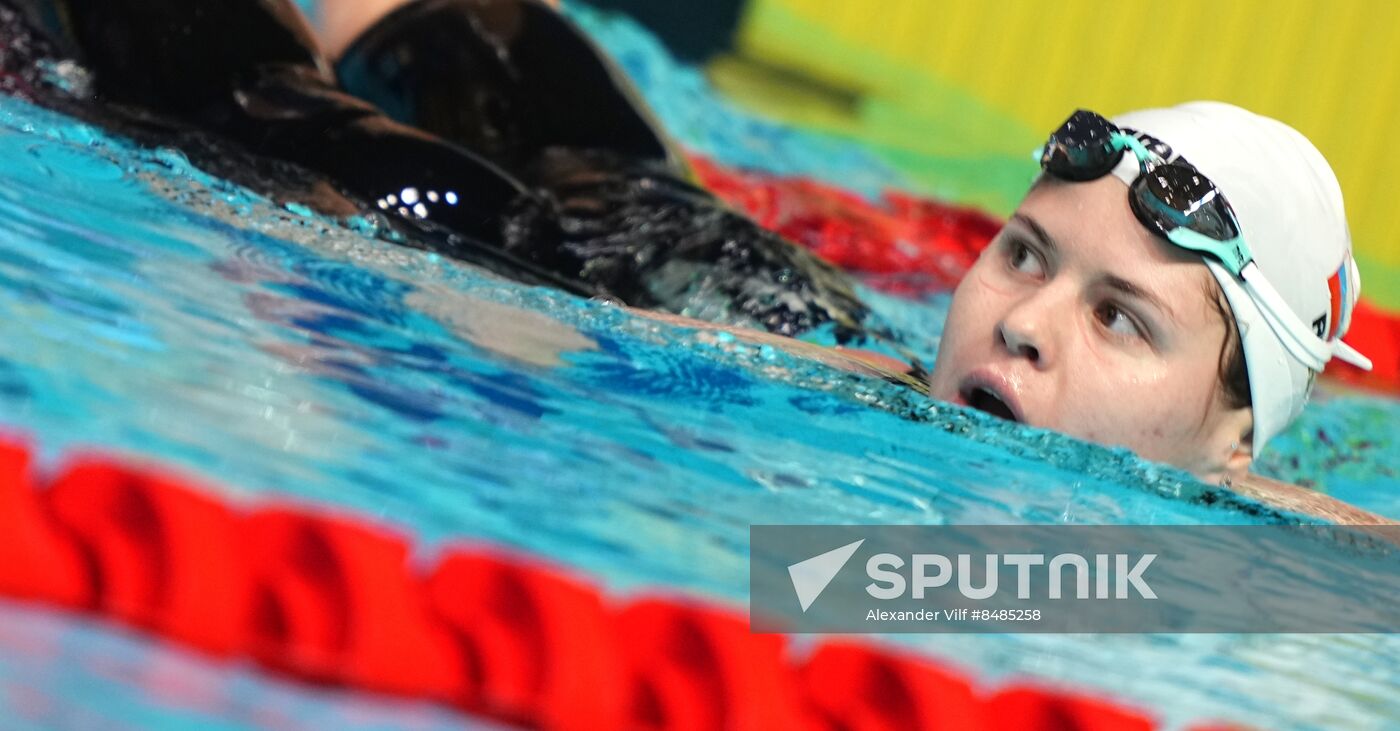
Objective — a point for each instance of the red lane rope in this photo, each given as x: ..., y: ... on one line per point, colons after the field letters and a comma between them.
x: 336, y: 599
x: 931, y: 243
x: 921, y: 246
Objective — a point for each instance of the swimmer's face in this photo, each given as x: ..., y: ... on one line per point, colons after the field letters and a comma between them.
x: 1077, y: 319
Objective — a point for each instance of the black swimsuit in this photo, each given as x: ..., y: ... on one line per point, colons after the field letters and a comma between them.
x: 492, y: 130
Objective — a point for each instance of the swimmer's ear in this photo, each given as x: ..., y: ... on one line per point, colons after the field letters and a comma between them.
x: 1229, y: 448
x: 1241, y: 457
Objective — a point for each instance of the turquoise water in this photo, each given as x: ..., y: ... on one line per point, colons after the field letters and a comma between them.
x: 157, y: 311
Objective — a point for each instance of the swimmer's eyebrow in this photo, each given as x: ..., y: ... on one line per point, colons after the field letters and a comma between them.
x: 1133, y: 290
x: 1111, y: 281
x: 1038, y: 231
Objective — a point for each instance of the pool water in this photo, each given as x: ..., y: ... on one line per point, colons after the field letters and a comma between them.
x: 157, y: 311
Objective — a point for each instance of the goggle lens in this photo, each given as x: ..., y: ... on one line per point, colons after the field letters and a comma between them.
x: 1177, y: 196
x: 1082, y: 148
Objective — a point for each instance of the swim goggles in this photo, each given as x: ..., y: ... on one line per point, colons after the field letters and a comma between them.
x: 1173, y: 199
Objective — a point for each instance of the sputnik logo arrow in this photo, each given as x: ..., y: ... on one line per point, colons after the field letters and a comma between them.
x: 810, y: 577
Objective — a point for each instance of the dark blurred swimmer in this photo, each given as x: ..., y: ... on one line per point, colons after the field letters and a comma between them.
x: 493, y: 126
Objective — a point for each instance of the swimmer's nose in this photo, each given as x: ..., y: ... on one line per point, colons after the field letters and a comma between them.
x: 1023, y: 331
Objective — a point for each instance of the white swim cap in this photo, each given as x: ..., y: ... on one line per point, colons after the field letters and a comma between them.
x: 1290, y: 212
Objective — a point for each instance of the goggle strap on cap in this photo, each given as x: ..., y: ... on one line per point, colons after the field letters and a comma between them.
x: 1350, y: 355
x: 1297, y: 337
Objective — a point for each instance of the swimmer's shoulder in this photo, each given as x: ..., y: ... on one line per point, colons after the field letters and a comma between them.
x: 1294, y: 498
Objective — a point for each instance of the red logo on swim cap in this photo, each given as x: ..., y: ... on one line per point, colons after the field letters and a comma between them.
x: 1337, y: 290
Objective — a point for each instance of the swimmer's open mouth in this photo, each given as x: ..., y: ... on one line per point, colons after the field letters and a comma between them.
x: 985, y: 399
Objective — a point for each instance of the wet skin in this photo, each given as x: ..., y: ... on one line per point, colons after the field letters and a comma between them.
x: 1077, y: 319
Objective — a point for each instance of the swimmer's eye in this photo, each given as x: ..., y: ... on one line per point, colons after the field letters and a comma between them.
x: 1024, y: 258
x: 1119, y: 321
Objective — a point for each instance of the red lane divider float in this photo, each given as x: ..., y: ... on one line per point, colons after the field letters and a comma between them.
x: 336, y: 599
x: 928, y: 243
x: 921, y: 246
